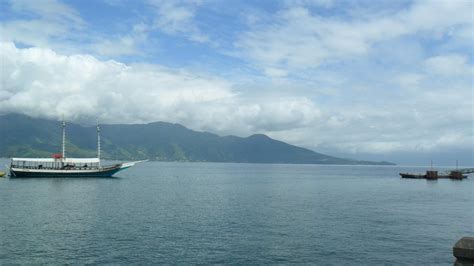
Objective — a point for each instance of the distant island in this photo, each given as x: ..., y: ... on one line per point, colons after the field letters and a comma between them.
x: 23, y: 136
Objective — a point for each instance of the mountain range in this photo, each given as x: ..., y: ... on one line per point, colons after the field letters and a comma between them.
x: 23, y: 136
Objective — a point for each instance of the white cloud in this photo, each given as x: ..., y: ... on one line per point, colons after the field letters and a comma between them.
x: 409, y: 80
x: 298, y: 39
x: 51, y: 20
x: 49, y: 10
x: 40, y: 82
x: 123, y: 45
x: 52, y: 24
x: 177, y: 18
x: 316, y: 3
x: 31, y: 32
x: 449, y: 65
x: 275, y: 72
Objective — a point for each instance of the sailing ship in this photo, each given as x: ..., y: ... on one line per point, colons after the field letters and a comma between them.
x: 61, y: 166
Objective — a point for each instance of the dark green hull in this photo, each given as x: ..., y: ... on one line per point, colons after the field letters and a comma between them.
x: 108, y: 172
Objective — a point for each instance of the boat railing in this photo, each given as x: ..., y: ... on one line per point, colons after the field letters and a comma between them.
x: 66, y: 167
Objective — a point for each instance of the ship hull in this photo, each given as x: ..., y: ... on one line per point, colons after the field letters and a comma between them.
x: 35, y: 173
x: 422, y: 176
x: 414, y: 176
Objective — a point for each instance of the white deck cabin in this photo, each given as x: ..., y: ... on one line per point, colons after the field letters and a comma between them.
x: 53, y: 163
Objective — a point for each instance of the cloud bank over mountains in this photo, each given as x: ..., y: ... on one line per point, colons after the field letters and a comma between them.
x: 389, y: 78
x: 41, y: 83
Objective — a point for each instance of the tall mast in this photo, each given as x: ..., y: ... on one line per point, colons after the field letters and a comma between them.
x: 64, y: 139
x: 98, y: 141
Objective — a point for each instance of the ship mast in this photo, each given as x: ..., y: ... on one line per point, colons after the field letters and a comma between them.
x: 98, y: 141
x: 64, y: 140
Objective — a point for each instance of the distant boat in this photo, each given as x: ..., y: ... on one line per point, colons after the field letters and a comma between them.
x: 61, y: 166
x: 408, y: 175
x: 431, y: 174
x: 435, y: 175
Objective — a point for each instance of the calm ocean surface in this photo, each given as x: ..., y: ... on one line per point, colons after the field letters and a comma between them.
x: 236, y: 213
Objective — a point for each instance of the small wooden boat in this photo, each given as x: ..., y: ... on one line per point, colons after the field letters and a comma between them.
x: 2, y: 174
x: 434, y: 175
x: 407, y: 175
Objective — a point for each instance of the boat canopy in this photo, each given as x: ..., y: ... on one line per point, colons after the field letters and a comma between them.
x: 52, y: 160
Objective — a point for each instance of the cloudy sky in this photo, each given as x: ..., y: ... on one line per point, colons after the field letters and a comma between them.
x: 380, y: 80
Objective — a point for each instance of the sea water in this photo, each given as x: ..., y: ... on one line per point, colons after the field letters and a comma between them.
x: 186, y: 213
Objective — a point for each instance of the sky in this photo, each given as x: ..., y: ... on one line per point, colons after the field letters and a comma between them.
x: 375, y: 80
